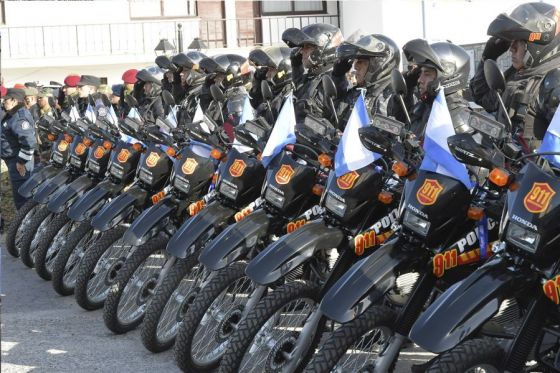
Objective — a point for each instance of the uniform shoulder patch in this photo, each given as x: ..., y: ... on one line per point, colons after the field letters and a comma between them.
x: 25, y: 125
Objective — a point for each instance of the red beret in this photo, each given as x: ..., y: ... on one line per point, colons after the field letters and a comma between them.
x: 129, y: 76
x: 71, y: 80
x: 20, y: 86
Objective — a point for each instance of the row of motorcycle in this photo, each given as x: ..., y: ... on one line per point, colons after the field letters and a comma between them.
x: 241, y: 267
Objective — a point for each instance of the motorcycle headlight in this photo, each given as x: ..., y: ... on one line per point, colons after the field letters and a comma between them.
x: 116, y: 171
x: 522, y: 237
x: 75, y: 161
x: 335, y: 206
x: 94, y: 167
x: 182, y: 184
x: 228, y: 190
x: 416, y: 223
x: 275, y: 198
x: 145, y: 176
x: 58, y: 158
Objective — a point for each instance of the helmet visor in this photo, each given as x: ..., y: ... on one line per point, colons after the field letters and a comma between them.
x: 525, y: 23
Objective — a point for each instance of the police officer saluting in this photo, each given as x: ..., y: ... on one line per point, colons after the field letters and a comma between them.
x: 17, y: 141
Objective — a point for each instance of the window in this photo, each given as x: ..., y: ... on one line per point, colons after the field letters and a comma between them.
x: 142, y: 9
x: 276, y: 7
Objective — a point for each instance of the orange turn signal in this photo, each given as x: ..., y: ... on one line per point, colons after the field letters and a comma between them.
x: 107, y: 145
x: 475, y: 213
x: 171, y: 152
x: 385, y: 197
x: 400, y: 168
x: 325, y: 160
x: 158, y: 197
x: 216, y: 154
x: 68, y: 138
x: 259, y: 156
x: 51, y: 137
x: 87, y: 142
x: 499, y: 177
x: 136, y: 146
x: 317, y: 189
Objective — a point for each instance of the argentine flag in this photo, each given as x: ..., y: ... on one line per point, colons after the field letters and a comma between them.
x: 198, y: 114
x: 438, y: 157
x: 74, y: 114
x: 247, y: 113
x: 351, y: 155
x: 90, y: 114
x: 551, y: 140
x: 283, y: 133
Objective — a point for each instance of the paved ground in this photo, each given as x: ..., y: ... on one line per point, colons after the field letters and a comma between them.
x: 44, y: 332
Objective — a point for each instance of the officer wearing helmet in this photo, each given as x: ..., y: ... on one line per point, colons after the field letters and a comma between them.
x: 441, y: 65
x: 215, y: 69
x: 272, y: 65
x: 373, y: 57
x: 187, y: 75
x: 147, y: 92
x: 532, y: 34
x: 313, y: 55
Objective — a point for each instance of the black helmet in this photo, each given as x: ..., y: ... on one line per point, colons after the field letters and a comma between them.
x: 238, y: 74
x: 188, y: 60
x: 451, y: 62
x: 322, y: 35
x: 382, y: 52
x: 269, y: 56
x: 165, y: 63
x: 152, y: 74
x: 283, y: 74
x: 220, y: 63
x: 549, y: 95
x: 538, y: 24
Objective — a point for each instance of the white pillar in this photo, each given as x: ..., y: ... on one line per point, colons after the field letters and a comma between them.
x: 231, y: 24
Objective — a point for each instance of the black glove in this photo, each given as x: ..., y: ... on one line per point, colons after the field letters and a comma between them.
x: 295, y: 57
x: 341, y: 67
x: 494, y: 48
x: 411, y: 77
x: 260, y: 73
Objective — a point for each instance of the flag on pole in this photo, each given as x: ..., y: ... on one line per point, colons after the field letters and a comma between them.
x: 283, y: 133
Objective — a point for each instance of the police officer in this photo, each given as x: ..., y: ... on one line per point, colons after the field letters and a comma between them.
x: 187, y: 76
x: 70, y: 88
x: 45, y: 103
x: 129, y: 81
x: 31, y: 102
x: 17, y: 141
x: 88, y: 85
x: 532, y: 34
x: 149, y: 83
x: 373, y: 58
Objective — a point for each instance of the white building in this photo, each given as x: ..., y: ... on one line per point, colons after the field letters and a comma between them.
x: 46, y: 40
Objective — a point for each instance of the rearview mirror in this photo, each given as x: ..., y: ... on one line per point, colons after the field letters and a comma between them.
x: 466, y: 150
x: 265, y: 90
x: 131, y: 100
x: 398, y: 85
x: 374, y: 140
x: 328, y: 86
x: 217, y: 93
x: 486, y: 125
x: 494, y: 76
x: 65, y: 116
x: 131, y: 125
x: 168, y: 98
x: 388, y: 125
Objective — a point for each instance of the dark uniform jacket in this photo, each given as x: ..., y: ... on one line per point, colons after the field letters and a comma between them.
x: 17, y: 137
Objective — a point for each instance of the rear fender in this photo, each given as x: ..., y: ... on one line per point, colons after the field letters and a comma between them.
x: 197, y: 227
x: 466, y: 306
x: 367, y: 281
x: 93, y: 200
x: 118, y: 209
x: 150, y: 222
x: 234, y: 241
x: 46, y: 191
x: 75, y: 189
x: 291, y: 250
x: 36, y: 179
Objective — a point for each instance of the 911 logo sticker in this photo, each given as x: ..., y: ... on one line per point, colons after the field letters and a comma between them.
x: 237, y: 168
x: 80, y: 148
x: 62, y: 145
x: 99, y: 152
x: 429, y: 192
x: 551, y: 289
x: 123, y: 155
x: 347, y: 180
x: 189, y: 166
x: 539, y: 197
x: 152, y: 159
x: 284, y: 174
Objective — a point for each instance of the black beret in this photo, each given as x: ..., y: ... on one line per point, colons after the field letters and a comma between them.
x: 16, y: 93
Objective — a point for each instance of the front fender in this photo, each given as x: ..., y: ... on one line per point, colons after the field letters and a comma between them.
x: 192, y: 230
x: 229, y: 245
x: 150, y: 221
x: 46, y: 191
x: 118, y: 209
x: 36, y: 179
x: 73, y: 190
x: 93, y: 200
x: 367, y: 281
x: 291, y: 250
x: 465, y: 307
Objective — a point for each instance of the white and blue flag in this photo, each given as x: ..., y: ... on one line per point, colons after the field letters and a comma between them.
x: 90, y: 114
x: 198, y: 114
x: 247, y: 113
x: 551, y: 140
x: 74, y: 114
x: 113, y: 116
x: 438, y: 157
x: 283, y: 133
x: 351, y: 155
